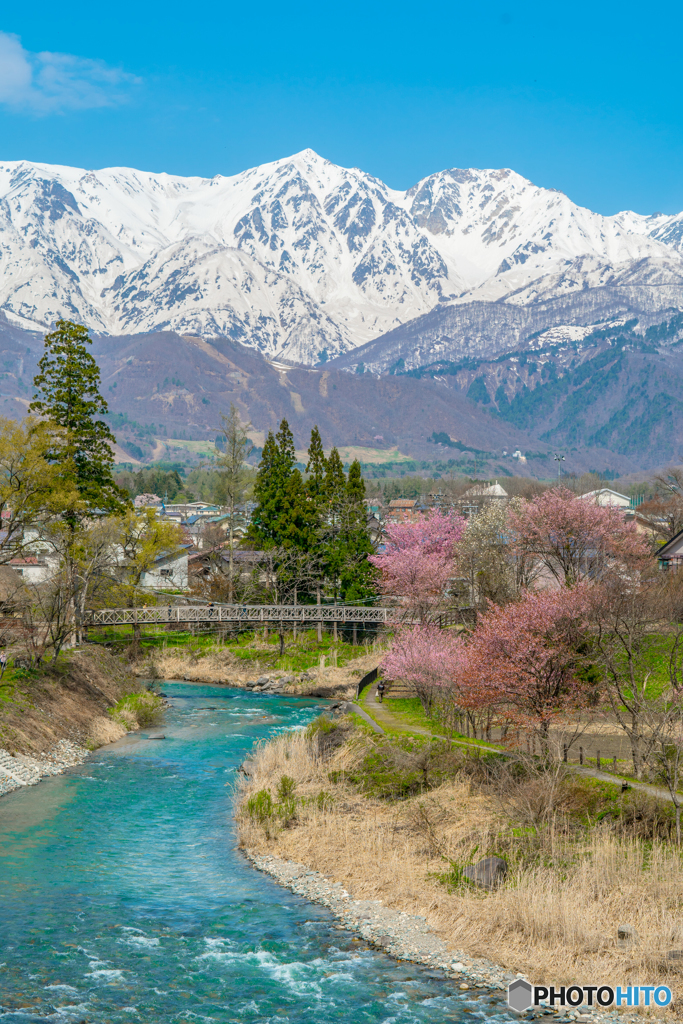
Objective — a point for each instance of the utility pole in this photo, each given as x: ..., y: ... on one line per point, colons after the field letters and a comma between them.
x: 559, y: 459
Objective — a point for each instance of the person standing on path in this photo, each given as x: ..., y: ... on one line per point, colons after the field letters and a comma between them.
x: 380, y: 690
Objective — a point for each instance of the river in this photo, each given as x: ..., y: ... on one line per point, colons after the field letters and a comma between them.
x: 123, y: 898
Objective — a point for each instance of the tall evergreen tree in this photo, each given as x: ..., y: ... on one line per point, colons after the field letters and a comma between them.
x: 67, y: 393
x: 284, y: 515
x: 355, y: 485
x: 357, y: 577
x: 335, y: 479
x: 316, y: 468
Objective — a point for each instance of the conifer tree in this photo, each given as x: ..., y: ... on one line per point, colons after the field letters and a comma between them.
x: 355, y: 486
x: 358, y: 577
x: 284, y: 516
x: 316, y: 468
x: 335, y: 479
x: 67, y: 393
x: 266, y: 490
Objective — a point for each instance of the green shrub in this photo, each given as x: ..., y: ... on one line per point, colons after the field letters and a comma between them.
x: 321, y: 725
x: 260, y: 806
x: 285, y: 789
x: 401, y: 767
x: 324, y: 800
x: 286, y: 810
x: 138, y: 710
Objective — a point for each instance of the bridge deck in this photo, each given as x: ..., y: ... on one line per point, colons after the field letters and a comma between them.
x: 294, y: 613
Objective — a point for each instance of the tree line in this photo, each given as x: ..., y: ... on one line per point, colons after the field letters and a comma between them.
x: 310, y: 534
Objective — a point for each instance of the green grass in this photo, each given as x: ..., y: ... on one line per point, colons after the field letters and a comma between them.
x: 300, y: 655
x: 389, y: 729
x: 410, y: 711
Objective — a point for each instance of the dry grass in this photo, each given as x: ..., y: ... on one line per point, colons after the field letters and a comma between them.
x: 224, y: 668
x: 556, y: 917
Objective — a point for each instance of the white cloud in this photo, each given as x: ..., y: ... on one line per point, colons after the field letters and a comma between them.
x: 51, y: 82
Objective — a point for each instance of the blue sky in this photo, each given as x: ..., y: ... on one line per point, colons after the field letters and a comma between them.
x: 583, y: 97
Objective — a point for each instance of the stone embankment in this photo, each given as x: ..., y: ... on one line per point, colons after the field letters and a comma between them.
x: 17, y: 770
x: 409, y: 937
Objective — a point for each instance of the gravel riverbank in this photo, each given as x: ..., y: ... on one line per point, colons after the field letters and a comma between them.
x: 17, y: 770
x: 409, y: 937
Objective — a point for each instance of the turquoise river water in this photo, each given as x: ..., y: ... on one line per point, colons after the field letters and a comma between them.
x: 123, y: 898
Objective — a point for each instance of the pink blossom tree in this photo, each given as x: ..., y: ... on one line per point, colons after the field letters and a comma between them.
x: 417, y: 561
x: 523, y: 660
x: 572, y: 539
x: 429, y: 658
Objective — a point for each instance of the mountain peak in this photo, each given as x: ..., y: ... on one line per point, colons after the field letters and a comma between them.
x: 299, y: 256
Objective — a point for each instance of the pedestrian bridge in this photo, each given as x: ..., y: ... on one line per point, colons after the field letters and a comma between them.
x: 298, y: 614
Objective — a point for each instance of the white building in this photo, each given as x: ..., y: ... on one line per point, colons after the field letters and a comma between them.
x: 486, y: 491
x: 606, y: 496
x: 35, y: 568
x: 169, y: 572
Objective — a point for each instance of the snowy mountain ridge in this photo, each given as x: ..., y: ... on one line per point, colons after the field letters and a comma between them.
x: 299, y: 255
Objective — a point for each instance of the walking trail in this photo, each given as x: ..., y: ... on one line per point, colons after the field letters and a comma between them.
x: 387, y: 720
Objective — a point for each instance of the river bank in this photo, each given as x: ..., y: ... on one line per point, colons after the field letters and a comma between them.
x: 224, y: 668
x: 120, y: 899
x: 304, y: 819
x: 54, y: 716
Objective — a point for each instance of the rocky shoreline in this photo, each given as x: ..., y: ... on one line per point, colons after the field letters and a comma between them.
x: 409, y: 937
x: 18, y: 770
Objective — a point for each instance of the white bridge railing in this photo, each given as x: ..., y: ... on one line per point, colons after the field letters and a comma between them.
x: 295, y: 613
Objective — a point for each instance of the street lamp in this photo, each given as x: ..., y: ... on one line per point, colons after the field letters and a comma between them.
x: 559, y: 459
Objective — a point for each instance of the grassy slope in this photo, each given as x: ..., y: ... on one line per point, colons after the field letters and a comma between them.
x: 576, y: 868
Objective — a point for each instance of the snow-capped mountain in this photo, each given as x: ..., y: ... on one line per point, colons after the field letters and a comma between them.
x: 299, y: 256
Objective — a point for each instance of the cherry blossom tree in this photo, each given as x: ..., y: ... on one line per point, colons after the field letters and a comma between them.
x: 417, y: 561
x: 523, y: 660
x: 429, y: 658
x: 573, y: 539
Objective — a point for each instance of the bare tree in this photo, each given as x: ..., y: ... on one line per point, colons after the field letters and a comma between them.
x: 232, y: 473
x: 664, y: 510
x: 625, y: 639
x: 666, y: 753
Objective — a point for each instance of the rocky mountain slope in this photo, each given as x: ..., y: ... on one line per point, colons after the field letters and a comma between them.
x: 305, y: 260
x: 616, y: 385
x: 166, y: 393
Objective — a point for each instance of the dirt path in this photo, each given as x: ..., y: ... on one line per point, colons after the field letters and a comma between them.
x: 387, y: 720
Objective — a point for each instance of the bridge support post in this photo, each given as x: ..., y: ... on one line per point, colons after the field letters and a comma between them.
x: 355, y: 634
x: 334, y: 630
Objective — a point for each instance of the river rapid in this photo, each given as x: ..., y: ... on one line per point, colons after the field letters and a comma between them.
x: 123, y: 897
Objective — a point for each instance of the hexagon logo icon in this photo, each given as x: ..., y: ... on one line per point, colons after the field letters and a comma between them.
x: 520, y: 995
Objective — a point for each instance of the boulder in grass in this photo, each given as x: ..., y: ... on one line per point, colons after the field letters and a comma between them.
x: 627, y: 936
x: 487, y: 873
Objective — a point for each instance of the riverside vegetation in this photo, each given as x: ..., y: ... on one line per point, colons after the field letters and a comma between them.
x: 88, y: 697
x: 397, y: 819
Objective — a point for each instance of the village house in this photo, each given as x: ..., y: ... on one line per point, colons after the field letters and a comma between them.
x: 403, y: 510
x: 606, y: 496
x: 670, y: 555
x: 34, y: 569
x: 169, y: 571
x: 477, y: 497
